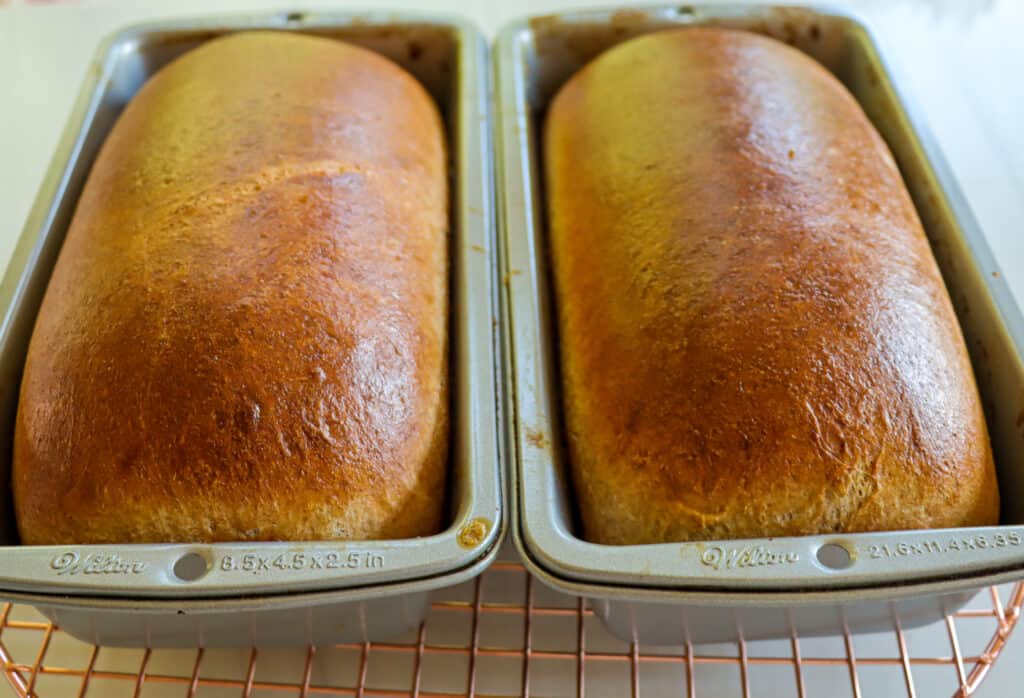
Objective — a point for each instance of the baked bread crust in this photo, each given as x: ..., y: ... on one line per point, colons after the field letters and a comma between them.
x: 755, y: 338
x: 245, y: 336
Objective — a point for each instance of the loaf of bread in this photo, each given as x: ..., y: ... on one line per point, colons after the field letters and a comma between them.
x: 755, y: 339
x: 245, y: 336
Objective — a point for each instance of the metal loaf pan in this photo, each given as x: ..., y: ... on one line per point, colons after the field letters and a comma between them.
x: 724, y: 590
x: 274, y: 593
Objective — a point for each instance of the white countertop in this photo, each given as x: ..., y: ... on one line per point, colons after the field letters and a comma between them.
x: 962, y: 61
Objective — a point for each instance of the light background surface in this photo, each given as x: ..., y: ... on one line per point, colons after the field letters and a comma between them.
x: 961, y: 61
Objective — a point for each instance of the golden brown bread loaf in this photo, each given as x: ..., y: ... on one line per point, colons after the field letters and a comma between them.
x: 245, y: 335
x: 755, y: 339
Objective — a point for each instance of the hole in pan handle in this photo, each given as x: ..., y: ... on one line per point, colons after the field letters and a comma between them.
x: 190, y: 567
x: 835, y: 556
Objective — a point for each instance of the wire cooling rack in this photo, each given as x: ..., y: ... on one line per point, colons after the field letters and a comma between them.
x: 505, y: 634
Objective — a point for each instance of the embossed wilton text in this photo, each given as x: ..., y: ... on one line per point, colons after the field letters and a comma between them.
x: 753, y: 556
x: 73, y: 563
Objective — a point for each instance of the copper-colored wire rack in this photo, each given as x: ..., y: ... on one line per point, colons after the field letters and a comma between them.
x: 504, y: 634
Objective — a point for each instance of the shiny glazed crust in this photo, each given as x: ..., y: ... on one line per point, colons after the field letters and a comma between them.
x: 245, y: 336
x: 755, y: 339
